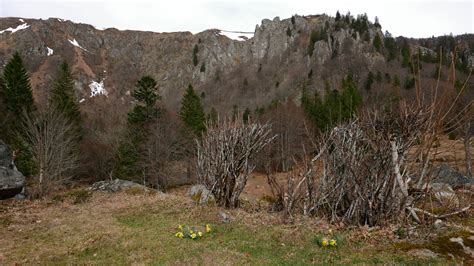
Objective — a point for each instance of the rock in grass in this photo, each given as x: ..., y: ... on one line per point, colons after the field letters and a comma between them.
x: 422, y: 253
x: 224, y: 217
x: 115, y: 185
x: 201, y: 195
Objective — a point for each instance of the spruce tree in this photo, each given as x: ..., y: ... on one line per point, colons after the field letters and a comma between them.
x: 15, y: 88
x: 351, y: 98
x: 191, y: 111
x: 377, y: 42
x: 63, y: 97
x: 369, y: 81
x: 338, y: 16
x: 17, y: 100
x: 144, y: 113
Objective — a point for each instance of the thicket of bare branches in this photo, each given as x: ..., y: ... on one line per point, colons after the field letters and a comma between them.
x: 224, y: 157
x: 53, y: 143
x: 373, y: 169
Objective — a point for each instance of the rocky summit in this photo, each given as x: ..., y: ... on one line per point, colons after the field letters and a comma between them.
x: 247, y: 70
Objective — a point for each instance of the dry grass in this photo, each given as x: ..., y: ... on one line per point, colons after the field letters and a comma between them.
x: 126, y: 228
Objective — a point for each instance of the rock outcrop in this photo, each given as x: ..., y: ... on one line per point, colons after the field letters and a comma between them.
x: 447, y: 175
x: 11, y: 180
x: 115, y: 185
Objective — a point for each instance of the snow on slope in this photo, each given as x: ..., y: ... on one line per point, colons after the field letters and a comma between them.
x: 50, y: 51
x: 75, y: 43
x: 97, y: 88
x: 13, y: 30
x: 237, y: 35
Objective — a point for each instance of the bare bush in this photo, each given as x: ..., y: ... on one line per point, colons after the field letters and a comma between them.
x: 224, y: 157
x: 165, y: 152
x: 373, y: 170
x: 53, y: 143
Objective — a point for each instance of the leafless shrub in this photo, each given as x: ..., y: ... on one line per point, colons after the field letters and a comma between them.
x: 224, y: 157
x: 373, y: 169
x: 53, y: 143
x: 165, y: 151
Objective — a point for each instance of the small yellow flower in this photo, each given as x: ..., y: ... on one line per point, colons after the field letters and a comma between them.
x: 208, y: 228
x: 193, y: 236
x: 324, y: 242
x: 200, y: 234
x: 180, y: 227
x: 179, y: 234
x: 333, y: 242
x: 191, y: 232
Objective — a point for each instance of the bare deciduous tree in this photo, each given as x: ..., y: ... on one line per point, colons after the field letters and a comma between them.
x: 224, y: 157
x: 53, y: 143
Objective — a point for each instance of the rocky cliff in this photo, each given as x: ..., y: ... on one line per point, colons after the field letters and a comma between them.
x: 271, y: 64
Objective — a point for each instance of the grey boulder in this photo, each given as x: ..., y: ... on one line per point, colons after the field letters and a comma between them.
x: 447, y: 175
x: 11, y: 180
x: 201, y: 195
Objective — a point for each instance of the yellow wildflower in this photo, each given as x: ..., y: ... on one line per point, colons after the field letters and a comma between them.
x: 179, y: 234
x: 324, y: 242
x: 180, y: 227
x: 193, y: 235
x: 333, y: 242
x: 191, y: 232
x: 208, y: 228
x: 200, y: 234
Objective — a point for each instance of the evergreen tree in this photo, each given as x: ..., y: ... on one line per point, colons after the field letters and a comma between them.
x: 17, y: 100
x: 351, y: 98
x: 369, y: 81
x: 377, y: 42
x: 396, y: 81
x: 378, y: 77
x: 145, y: 111
x: 406, y: 54
x: 63, y: 98
x: 16, y: 89
x: 390, y: 46
x: 192, y: 112
x: 338, y: 16
x: 333, y: 107
x: 288, y: 32
x: 409, y: 83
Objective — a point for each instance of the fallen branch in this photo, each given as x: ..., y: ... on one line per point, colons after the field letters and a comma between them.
x: 413, y: 209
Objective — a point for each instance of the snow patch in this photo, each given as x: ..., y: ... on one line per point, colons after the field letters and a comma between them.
x: 21, y: 20
x: 82, y: 100
x: 97, y: 88
x: 75, y: 43
x: 50, y: 51
x: 236, y: 35
x: 13, y: 30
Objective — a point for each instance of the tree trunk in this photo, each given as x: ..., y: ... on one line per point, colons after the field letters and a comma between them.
x: 467, y: 149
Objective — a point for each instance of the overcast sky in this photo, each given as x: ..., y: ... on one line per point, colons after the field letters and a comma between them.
x: 418, y: 18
